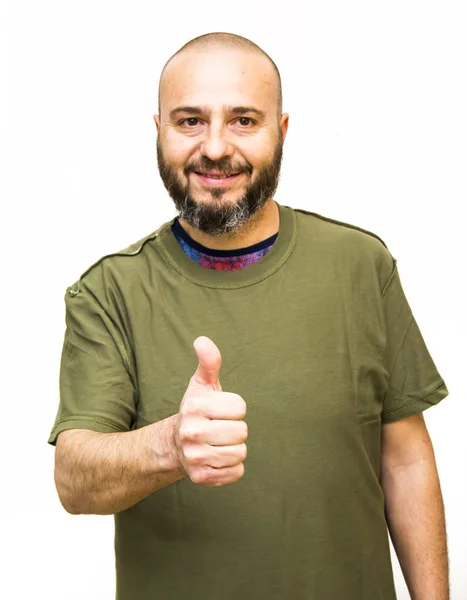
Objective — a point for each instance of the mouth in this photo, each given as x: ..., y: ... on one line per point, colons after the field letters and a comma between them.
x: 217, y: 179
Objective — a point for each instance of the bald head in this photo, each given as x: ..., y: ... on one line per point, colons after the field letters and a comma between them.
x: 215, y: 43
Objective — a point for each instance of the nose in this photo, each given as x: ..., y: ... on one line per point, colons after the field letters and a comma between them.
x: 215, y: 145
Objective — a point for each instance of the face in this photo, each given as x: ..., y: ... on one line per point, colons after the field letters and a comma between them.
x: 227, y: 126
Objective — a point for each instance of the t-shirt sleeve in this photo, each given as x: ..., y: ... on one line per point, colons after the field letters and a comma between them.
x: 414, y: 383
x: 96, y: 386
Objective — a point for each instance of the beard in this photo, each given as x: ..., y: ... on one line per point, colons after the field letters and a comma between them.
x: 216, y: 218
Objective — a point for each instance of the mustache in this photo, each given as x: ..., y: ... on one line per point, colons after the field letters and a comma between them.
x: 222, y: 166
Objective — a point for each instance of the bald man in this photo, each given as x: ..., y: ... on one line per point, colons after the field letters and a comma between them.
x: 281, y: 477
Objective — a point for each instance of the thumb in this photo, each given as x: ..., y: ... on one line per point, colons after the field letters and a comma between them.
x: 209, y: 365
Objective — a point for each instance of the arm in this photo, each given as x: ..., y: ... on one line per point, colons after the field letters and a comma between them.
x: 414, y: 507
x: 105, y: 473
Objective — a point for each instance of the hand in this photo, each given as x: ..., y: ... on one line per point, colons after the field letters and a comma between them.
x: 210, y: 433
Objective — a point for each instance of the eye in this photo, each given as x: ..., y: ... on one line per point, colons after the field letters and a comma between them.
x: 189, y: 121
x: 242, y: 119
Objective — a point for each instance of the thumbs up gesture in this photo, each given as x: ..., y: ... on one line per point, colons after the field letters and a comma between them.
x: 210, y: 433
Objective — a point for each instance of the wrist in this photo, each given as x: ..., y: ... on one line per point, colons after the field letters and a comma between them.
x: 170, y: 459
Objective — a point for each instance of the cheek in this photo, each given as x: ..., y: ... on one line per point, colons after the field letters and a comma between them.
x: 257, y: 152
x: 177, y: 150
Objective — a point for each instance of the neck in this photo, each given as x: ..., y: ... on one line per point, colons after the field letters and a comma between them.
x: 261, y: 226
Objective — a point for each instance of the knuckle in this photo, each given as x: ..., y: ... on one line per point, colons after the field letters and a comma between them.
x: 195, y: 477
x: 195, y: 434
x: 189, y: 431
x: 184, y: 433
x: 190, y: 406
x: 199, y: 476
x: 193, y: 455
x: 189, y: 455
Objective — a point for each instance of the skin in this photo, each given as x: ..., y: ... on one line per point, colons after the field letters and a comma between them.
x: 220, y: 140
x: 414, y: 507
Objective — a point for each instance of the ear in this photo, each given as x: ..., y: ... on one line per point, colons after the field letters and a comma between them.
x: 284, y: 125
x: 157, y: 122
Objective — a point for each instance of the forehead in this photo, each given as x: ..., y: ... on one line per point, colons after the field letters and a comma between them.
x: 215, y: 77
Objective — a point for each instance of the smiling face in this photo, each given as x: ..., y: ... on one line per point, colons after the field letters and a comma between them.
x: 219, y: 117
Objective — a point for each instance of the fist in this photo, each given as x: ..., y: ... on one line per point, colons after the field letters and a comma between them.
x: 210, y: 432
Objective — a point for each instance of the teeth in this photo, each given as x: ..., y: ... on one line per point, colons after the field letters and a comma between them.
x: 216, y: 176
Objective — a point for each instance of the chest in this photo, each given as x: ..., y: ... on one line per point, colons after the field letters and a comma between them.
x: 301, y: 357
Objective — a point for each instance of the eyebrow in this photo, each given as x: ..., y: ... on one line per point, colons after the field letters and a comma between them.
x: 199, y: 110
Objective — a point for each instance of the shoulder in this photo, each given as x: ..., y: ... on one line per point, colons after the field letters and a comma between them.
x: 116, y: 269
x: 339, y: 229
x: 357, y: 247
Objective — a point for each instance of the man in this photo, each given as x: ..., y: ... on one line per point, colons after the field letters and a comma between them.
x: 325, y: 375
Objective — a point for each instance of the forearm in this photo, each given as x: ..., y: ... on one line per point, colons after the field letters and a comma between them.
x: 416, y: 522
x: 105, y: 473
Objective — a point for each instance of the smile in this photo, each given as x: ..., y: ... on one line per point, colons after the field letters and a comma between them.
x: 216, y: 180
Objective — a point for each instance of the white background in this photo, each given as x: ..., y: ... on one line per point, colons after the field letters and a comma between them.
x: 377, y: 99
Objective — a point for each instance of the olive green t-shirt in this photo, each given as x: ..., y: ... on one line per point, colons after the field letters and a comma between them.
x: 319, y: 340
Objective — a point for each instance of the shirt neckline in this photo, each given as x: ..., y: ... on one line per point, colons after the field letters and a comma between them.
x: 280, y: 251
x: 179, y: 232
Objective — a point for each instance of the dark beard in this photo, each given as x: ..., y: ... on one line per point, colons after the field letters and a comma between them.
x: 220, y: 218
